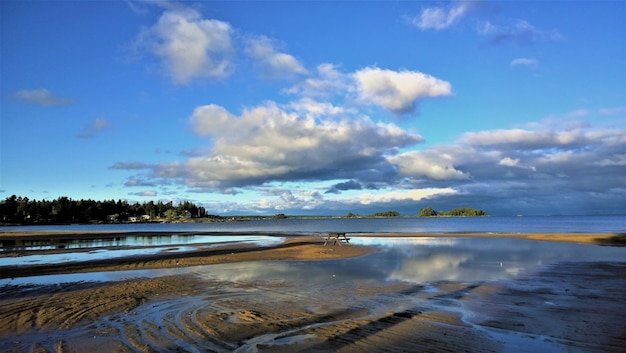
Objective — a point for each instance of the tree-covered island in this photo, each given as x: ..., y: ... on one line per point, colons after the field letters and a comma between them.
x: 457, y: 212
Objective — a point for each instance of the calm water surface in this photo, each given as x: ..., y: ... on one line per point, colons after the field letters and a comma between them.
x: 554, y: 224
x: 132, y: 246
x: 416, y: 260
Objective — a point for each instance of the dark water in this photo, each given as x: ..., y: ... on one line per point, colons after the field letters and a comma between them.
x: 554, y: 224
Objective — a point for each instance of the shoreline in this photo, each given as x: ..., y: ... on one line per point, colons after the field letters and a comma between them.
x: 293, y: 247
x: 585, y: 237
x: 306, y: 249
x: 567, y: 306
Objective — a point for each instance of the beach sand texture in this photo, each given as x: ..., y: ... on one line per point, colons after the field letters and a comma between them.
x: 570, y: 306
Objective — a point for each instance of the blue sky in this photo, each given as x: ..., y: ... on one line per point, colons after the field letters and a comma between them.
x: 317, y: 107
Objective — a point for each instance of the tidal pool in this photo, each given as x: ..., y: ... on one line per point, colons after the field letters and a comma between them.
x: 136, y: 245
x: 124, y: 241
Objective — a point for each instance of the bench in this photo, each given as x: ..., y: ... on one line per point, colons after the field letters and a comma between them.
x: 337, y: 238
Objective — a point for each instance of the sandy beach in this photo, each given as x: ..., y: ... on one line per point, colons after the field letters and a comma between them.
x: 569, y: 306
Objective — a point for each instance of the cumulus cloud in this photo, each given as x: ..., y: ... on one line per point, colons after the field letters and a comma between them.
x: 313, y: 108
x: 188, y: 45
x: 272, y: 63
x: 327, y: 81
x: 435, y: 165
x: 497, y: 170
x: 509, y: 162
x: 500, y: 170
x: 395, y: 91
x: 439, y: 17
x: 40, y: 96
x: 90, y: 130
x: 275, y: 143
x: 398, y: 91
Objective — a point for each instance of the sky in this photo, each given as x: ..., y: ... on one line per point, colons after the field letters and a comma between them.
x: 317, y: 107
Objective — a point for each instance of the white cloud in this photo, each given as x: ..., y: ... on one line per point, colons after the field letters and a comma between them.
x: 427, y: 164
x: 40, y: 96
x: 509, y: 162
x: 524, y: 62
x: 329, y: 81
x: 439, y: 18
x: 398, y: 91
x: 91, y: 129
x: 520, y: 32
x: 432, y: 267
x: 209, y: 119
x: 147, y: 193
x: 499, y: 170
x: 315, y: 109
x: 528, y: 138
x: 189, y: 46
x: 272, y: 63
x: 271, y: 142
x: 408, y: 195
x: 514, y: 163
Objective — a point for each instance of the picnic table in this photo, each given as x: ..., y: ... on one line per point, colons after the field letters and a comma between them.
x: 337, y: 238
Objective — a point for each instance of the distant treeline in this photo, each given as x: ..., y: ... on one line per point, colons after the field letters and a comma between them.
x: 375, y: 215
x: 21, y: 210
x: 426, y: 212
x: 457, y: 212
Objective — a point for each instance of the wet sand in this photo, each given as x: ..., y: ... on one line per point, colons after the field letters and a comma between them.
x: 570, y: 306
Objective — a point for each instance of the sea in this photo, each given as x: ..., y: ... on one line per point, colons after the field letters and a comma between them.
x: 436, y: 225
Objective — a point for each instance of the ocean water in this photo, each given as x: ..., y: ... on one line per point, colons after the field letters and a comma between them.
x: 552, y: 224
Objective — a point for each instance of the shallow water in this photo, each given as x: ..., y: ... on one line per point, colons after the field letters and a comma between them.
x: 136, y: 246
x: 128, y: 241
x: 415, y: 260
x: 531, y: 224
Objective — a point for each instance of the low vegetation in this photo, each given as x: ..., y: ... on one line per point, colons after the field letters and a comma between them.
x: 457, y: 212
x: 385, y: 214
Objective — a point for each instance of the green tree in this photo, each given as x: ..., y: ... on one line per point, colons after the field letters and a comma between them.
x: 427, y: 212
x: 170, y: 214
x: 466, y: 212
x: 387, y: 214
